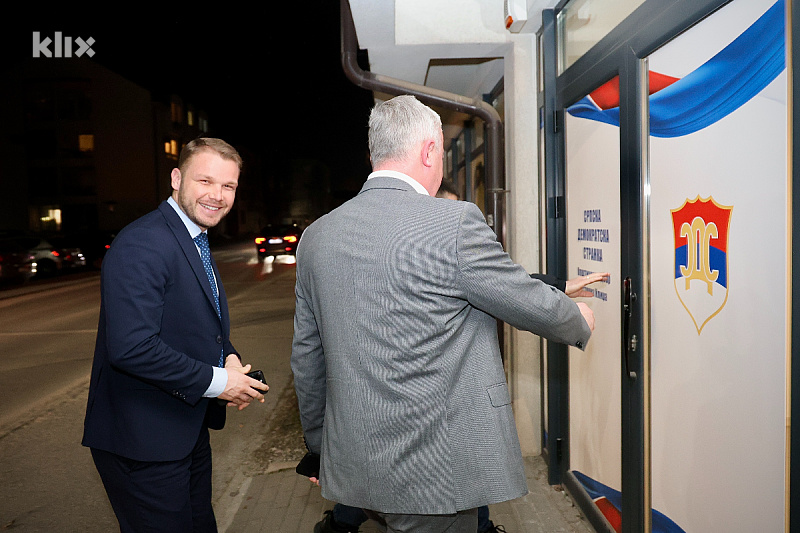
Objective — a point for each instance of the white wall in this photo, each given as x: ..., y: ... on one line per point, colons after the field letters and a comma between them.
x: 522, y: 217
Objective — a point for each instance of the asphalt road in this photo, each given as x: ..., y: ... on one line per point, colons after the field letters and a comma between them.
x: 47, y: 335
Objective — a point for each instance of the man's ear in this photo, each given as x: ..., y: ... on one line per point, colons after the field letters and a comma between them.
x: 429, y: 152
x: 176, y: 179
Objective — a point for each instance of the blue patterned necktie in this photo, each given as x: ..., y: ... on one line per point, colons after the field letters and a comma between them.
x: 205, y: 254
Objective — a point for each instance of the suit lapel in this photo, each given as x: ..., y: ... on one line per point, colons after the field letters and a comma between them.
x: 190, y: 251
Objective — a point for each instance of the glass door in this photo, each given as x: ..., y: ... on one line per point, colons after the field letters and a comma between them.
x: 592, y: 169
x: 679, y: 167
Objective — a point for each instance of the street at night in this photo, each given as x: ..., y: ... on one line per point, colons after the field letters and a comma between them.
x: 48, y: 334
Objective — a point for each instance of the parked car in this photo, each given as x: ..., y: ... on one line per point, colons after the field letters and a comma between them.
x: 47, y: 258
x: 16, y: 264
x: 72, y: 256
x: 93, y: 245
x: 277, y: 240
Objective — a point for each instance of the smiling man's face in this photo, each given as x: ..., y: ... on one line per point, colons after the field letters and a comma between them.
x: 206, y: 189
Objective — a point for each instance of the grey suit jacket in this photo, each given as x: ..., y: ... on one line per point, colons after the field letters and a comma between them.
x: 395, y: 355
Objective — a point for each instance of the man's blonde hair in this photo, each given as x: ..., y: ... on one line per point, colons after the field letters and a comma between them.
x: 225, y: 151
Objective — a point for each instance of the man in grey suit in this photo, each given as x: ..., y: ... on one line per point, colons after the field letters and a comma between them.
x: 395, y: 354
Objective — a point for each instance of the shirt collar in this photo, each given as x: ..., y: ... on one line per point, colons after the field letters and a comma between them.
x: 193, y: 229
x: 399, y: 175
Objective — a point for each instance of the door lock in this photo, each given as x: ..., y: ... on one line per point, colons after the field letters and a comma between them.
x: 629, y: 342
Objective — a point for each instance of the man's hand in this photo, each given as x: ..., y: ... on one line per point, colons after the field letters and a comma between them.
x: 240, y: 389
x: 575, y: 286
x: 588, y: 314
x: 233, y: 361
x: 309, y: 466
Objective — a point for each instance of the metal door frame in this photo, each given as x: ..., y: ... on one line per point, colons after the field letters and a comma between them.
x: 793, y: 496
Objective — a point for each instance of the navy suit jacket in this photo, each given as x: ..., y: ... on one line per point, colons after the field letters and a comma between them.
x: 157, y: 339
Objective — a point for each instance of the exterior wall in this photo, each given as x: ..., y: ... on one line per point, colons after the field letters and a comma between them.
x: 522, y: 235
x: 124, y: 149
x: 452, y: 21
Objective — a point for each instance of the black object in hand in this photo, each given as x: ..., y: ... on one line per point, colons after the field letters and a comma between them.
x: 258, y: 375
x: 309, y: 465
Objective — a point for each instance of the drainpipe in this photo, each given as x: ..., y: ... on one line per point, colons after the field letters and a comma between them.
x: 493, y: 138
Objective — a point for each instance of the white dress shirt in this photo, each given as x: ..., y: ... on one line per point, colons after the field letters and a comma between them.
x: 399, y: 175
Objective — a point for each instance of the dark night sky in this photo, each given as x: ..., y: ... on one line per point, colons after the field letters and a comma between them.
x: 269, y: 77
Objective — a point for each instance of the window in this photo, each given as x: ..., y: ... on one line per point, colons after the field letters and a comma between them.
x: 86, y: 143
x: 78, y: 181
x: 45, y: 218
x: 584, y: 23
x: 176, y: 112
x: 41, y: 144
x: 40, y: 105
x: 171, y: 148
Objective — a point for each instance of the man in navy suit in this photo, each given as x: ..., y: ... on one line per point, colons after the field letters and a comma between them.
x: 158, y: 379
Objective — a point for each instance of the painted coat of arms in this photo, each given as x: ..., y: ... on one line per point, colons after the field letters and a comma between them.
x: 700, y: 228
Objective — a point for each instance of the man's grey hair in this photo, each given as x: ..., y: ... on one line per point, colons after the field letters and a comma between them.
x: 398, y: 126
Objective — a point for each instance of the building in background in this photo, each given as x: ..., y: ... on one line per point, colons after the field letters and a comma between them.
x: 84, y: 151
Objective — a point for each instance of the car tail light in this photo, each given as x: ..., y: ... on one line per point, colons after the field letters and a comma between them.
x: 55, y: 253
x: 259, y: 240
x: 290, y: 238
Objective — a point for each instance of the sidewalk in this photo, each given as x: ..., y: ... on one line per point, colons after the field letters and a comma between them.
x: 275, y: 498
x: 281, y: 500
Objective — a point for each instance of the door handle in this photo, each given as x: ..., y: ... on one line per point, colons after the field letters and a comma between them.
x: 629, y: 341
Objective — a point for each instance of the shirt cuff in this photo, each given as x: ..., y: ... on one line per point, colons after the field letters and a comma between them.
x: 218, y: 382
